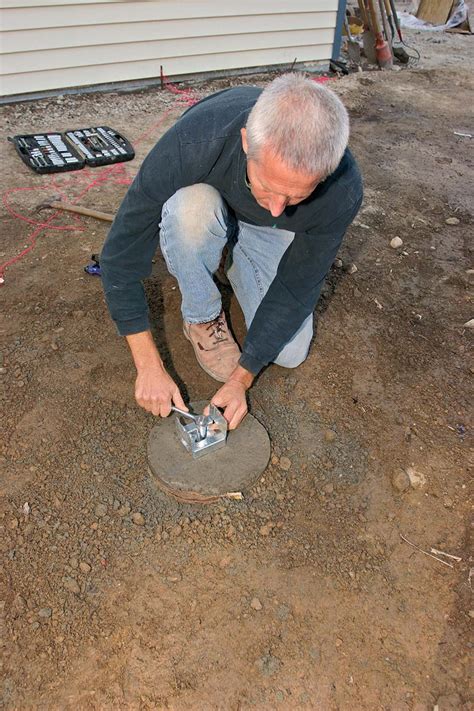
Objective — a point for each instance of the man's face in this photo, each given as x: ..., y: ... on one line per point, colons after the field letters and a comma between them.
x: 274, y: 185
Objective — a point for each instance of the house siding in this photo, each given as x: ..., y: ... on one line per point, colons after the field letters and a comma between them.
x: 74, y: 43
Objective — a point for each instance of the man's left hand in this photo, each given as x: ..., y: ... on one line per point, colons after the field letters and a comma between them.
x: 232, y: 397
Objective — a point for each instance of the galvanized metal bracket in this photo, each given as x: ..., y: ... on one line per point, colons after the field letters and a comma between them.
x: 204, y: 434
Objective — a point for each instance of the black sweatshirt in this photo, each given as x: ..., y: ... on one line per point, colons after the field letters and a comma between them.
x: 204, y: 146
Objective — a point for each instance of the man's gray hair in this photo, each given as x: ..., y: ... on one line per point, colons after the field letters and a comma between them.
x: 305, y: 124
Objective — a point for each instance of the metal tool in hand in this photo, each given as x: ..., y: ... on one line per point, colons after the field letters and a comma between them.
x: 204, y: 434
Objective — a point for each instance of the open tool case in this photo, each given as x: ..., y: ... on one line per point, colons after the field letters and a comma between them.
x: 72, y: 150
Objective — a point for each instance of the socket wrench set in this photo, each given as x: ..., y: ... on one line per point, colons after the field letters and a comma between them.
x: 72, y: 150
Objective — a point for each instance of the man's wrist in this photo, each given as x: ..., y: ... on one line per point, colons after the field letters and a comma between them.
x: 242, y: 376
x: 144, y: 352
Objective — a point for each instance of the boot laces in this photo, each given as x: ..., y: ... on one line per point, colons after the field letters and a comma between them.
x: 218, y: 329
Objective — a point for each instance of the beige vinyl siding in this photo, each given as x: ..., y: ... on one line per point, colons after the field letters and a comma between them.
x: 58, y: 44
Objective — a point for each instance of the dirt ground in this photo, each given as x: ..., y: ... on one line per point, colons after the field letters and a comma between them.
x: 303, y: 595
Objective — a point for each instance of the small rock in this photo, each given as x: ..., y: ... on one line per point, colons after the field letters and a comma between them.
x: 255, y: 604
x: 18, y: 606
x: 417, y: 479
x: 73, y: 562
x: 176, y: 531
x: 26, y: 508
x: 275, y: 460
x: 124, y: 510
x: 329, y: 435
x: 449, y: 702
x: 283, y: 612
x: 339, y: 642
x: 35, y: 625
x: 100, y: 510
x: 285, y: 463
x: 400, y: 480
x: 84, y: 567
x: 448, y: 502
x: 452, y: 221
x: 138, y: 519
x: 469, y: 324
x: 265, y: 530
x: 45, y: 612
x: 268, y: 665
x: 352, y: 268
x: 396, y: 242
x: 338, y: 263
x: 471, y: 614
x: 328, y: 488
x: 71, y: 585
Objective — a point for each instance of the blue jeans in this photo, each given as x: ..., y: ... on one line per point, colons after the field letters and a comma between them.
x: 195, y: 227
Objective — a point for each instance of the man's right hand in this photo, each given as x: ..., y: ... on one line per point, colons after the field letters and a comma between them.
x: 155, y: 390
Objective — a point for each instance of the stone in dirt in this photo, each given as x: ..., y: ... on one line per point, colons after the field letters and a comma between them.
x: 452, y: 221
x: 329, y: 435
x: 417, y: 479
x: 396, y: 242
x: 255, y: 604
x: 449, y: 702
x: 400, y: 480
x: 84, y: 567
x: 265, y: 530
x: 71, y: 585
x: 138, y: 519
x: 45, y: 612
x: 100, y: 510
x: 285, y: 463
x: 268, y: 665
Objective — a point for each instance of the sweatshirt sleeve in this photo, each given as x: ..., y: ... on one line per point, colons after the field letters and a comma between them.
x: 126, y: 258
x: 294, y: 292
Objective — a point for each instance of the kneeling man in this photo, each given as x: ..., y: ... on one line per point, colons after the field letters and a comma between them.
x: 266, y: 175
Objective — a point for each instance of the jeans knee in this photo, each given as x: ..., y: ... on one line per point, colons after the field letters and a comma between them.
x: 291, y: 360
x: 193, y: 212
x: 296, y: 351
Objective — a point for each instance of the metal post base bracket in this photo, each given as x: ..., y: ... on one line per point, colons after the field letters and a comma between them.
x: 204, y: 434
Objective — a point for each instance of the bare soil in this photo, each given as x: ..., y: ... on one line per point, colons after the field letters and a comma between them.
x: 303, y: 595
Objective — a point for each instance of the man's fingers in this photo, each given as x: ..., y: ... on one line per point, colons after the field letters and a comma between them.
x: 237, y: 418
x: 178, y: 400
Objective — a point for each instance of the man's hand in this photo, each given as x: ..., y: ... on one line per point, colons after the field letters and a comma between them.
x: 232, y: 397
x: 155, y: 391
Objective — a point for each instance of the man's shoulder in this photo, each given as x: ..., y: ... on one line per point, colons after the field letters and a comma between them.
x: 346, y: 178
x: 218, y: 115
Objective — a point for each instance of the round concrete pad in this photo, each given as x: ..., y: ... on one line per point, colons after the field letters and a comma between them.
x: 229, y: 470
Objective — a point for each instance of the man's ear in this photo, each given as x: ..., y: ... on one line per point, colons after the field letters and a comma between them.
x: 243, y: 133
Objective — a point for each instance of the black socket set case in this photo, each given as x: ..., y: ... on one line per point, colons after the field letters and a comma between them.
x: 72, y: 150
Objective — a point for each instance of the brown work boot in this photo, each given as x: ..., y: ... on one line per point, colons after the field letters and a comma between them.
x: 216, y: 351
